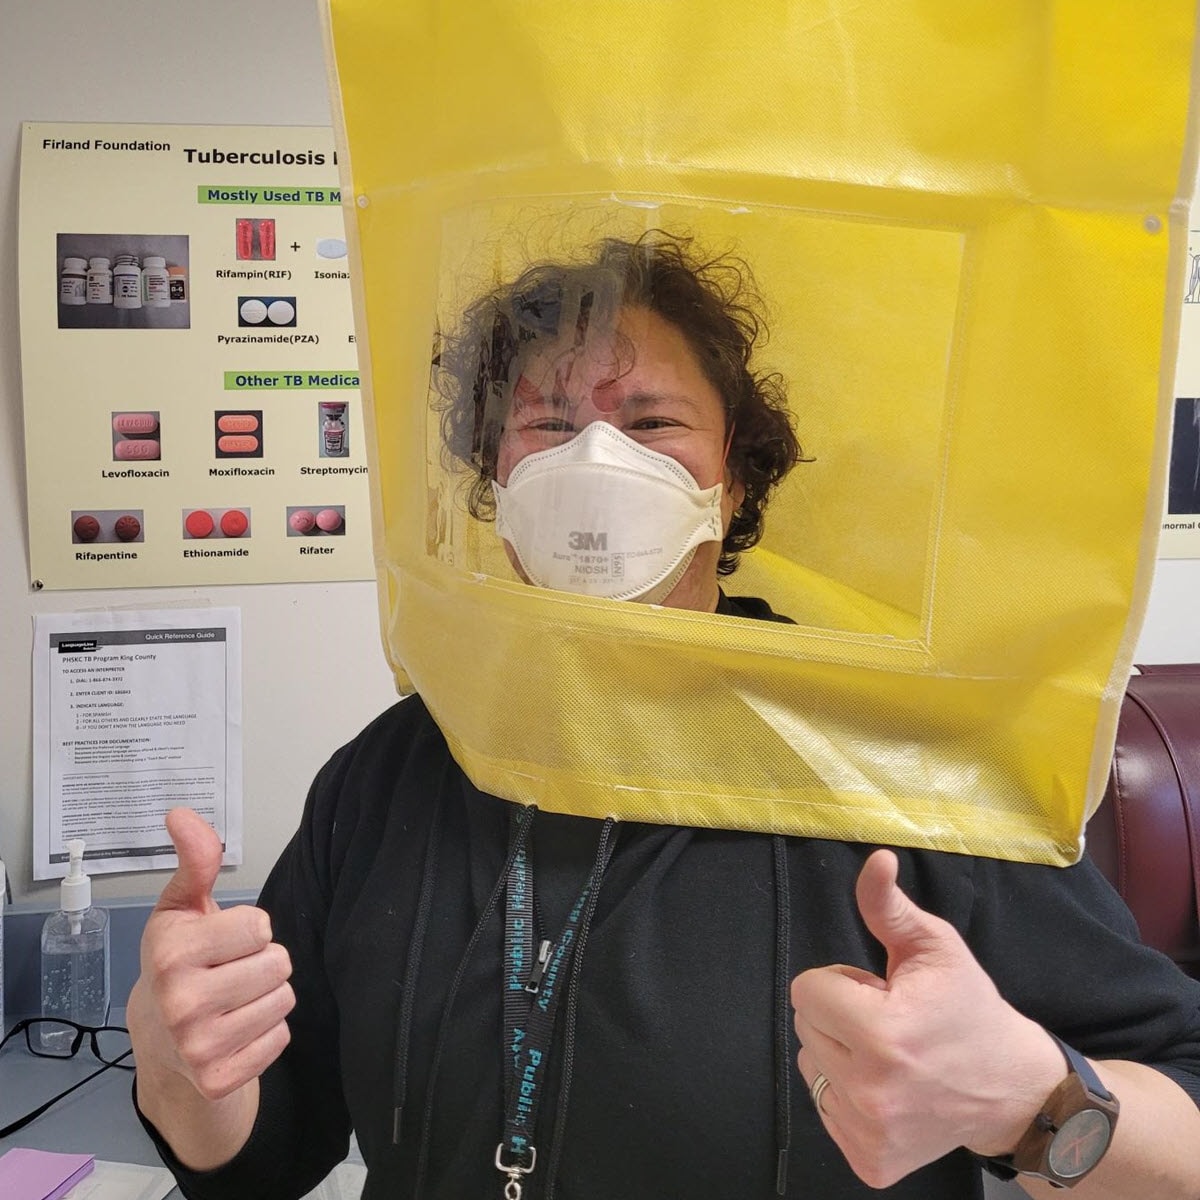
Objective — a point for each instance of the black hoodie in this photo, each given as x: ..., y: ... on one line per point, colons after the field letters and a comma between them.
x: 673, y: 1069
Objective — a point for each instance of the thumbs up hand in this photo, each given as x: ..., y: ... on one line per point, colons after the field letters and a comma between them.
x: 926, y: 1059
x: 210, y: 1004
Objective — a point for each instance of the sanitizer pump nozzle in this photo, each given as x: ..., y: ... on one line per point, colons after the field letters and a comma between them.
x: 76, y: 887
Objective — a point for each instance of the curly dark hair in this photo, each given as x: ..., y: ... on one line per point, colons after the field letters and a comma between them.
x: 712, y: 301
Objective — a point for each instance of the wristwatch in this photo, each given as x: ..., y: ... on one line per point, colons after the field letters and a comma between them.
x: 1071, y: 1133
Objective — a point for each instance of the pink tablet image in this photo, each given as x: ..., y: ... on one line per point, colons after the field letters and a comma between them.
x: 302, y: 520
x: 234, y: 523
x: 237, y: 443
x: 237, y: 423
x: 136, y: 424
x: 136, y: 450
x: 199, y: 523
x: 329, y: 519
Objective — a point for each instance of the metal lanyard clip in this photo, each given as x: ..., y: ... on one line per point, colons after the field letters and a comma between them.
x: 514, y: 1171
x: 539, y: 968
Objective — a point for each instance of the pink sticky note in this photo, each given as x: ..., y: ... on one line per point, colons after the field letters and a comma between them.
x: 40, y: 1175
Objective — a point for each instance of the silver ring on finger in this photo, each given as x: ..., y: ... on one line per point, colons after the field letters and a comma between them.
x: 818, y: 1090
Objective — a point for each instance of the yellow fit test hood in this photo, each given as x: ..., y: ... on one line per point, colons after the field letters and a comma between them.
x: 967, y: 222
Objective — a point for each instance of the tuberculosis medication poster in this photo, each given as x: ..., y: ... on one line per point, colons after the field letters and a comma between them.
x: 135, y: 713
x: 191, y: 388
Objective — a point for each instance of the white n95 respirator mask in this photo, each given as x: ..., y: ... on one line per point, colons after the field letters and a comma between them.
x: 602, y: 516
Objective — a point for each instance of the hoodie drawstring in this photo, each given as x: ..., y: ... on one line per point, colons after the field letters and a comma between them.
x: 783, y: 1053
x: 412, y: 969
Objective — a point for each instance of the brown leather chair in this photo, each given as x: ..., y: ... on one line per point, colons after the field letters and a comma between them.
x: 1145, y: 836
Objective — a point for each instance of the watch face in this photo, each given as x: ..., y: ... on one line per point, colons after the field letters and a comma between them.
x: 1079, y: 1144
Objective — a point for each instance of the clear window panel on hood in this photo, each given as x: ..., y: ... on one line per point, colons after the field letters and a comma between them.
x: 555, y: 314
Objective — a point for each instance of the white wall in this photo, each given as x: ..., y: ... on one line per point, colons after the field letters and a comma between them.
x: 240, y: 62
x: 1172, y: 629
x: 248, y: 62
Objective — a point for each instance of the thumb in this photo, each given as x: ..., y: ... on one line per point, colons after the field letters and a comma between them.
x: 905, y: 930
x: 199, y: 850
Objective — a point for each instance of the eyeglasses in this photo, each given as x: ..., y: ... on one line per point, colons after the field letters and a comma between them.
x: 49, y: 1037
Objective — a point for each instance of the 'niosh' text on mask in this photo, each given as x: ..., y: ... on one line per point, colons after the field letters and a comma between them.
x: 602, y: 516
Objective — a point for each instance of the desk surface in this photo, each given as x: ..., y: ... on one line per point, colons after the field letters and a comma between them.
x: 97, y: 1119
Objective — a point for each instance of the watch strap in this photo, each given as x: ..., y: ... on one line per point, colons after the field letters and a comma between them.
x: 1080, y: 1075
x: 1084, y: 1069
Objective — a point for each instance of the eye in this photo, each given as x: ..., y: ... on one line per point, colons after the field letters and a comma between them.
x: 551, y: 425
x: 648, y: 423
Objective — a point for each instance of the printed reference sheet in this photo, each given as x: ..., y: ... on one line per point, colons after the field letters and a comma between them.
x: 134, y: 713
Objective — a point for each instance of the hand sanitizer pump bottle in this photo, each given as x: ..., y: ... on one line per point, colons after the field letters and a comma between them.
x: 75, y: 971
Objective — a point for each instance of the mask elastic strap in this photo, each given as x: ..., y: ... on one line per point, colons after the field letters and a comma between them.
x: 728, y: 447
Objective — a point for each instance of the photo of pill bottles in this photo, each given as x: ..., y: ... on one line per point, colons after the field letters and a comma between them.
x: 254, y: 238
x: 333, y: 440
x: 91, y: 525
x: 316, y: 520
x: 213, y: 524
x: 136, y: 437
x: 238, y: 433
x: 123, y: 281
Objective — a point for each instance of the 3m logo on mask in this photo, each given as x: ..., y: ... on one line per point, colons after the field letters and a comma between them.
x: 564, y: 507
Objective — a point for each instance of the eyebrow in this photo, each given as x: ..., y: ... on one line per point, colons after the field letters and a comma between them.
x: 637, y: 400
x: 645, y: 399
x: 532, y: 396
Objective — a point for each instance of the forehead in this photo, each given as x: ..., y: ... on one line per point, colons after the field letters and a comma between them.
x: 633, y: 359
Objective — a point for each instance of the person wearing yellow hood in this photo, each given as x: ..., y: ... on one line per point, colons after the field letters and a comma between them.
x: 502, y: 1002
